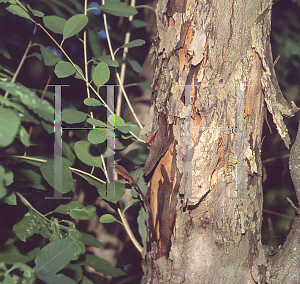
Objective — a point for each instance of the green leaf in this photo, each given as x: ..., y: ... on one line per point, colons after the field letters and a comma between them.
x: 6, y: 178
x: 11, y: 199
x: 125, y: 129
x: 107, y: 59
x: 4, y: 51
x: 54, y: 23
x: 24, y: 136
x: 9, y: 126
x: 92, y: 102
x: 49, y: 58
x: 56, y: 279
x: 135, y: 65
x: 134, y: 43
x: 119, y: 9
x: 90, y: 240
x: 74, y: 25
x: 9, y: 103
x: 139, y: 176
x: 75, y: 236
x: 41, y: 107
x: 48, y: 126
x: 137, y: 156
x: 35, y: 13
x: 68, y: 152
x: 142, y: 225
x: 129, y: 204
x: 64, y: 69
x: 54, y: 257
x: 27, y: 271
x: 115, y: 120
x: 85, y: 280
x: 17, y: 10
x: 73, y: 116
x: 47, y: 170
x: 97, y: 136
x: 119, y: 189
x: 107, y: 218
x: 139, y: 24
x: 82, y: 150
x: 97, y: 123
x: 102, y: 266
x: 101, y: 74
x: 10, y: 254
x: 77, y: 210
x: 28, y: 226
x: 77, y: 75
x: 33, y: 179
x: 145, y: 85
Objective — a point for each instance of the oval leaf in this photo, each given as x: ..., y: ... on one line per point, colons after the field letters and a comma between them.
x: 49, y: 58
x: 97, y: 136
x: 54, y: 257
x: 9, y: 126
x: 101, y: 74
x: 115, y: 121
x: 118, y: 9
x: 107, y: 218
x: 102, y: 266
x: 17, y: 10
x: 82, y: 150
x: 64, y: 69
x: 134, y: 43
x: 54, y: 23
x: 77, y: 210
x: 96, y: 122
x: 107, y: 59
x: 73, y: 116
x: 74, y: 25
x: 31, y: 100
x: 92, y: 102
x: 135, y: 65
x: 47, y: 170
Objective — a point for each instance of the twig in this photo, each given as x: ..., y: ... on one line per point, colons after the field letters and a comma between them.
x: 123, y: 66
x: 129, y: 232
x: 21, y: 62
x: 27, y: 203
x: 117, y: 74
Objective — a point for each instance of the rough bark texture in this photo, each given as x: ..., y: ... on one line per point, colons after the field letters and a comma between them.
x: 213, y: 236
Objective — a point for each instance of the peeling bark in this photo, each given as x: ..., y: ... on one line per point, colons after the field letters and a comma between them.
x: 213, y: 236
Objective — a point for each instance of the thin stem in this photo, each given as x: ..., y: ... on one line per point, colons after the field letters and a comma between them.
x: 25, y: 158
x: 44, y: 161
x: 117, y: 74
x: 66, y: 55
x: 27, y: 203
x: 21, y: 62
x: 64, y: 6
x: 85, y: 59
x: 63, y: 51
x: 123, y: 66
x: 105, y: 170
x: 85, y: 173
x: 137, y: 138
x: 129, y: 232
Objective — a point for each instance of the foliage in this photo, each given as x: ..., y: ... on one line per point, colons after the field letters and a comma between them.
x: 45, y: 243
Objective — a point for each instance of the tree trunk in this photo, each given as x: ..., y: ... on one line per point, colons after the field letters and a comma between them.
x: 214, y: 71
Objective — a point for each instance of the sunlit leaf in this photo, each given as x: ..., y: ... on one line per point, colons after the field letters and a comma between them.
x: 74, y: 25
